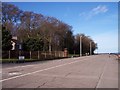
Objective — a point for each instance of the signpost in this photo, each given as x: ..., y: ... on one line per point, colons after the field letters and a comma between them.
x: 21, y: 58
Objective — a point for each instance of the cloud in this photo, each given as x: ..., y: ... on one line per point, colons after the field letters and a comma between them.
x: 99, y: 9
x: 95, y: 11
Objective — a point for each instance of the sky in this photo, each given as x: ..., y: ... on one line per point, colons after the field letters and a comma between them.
x: 99, y: 20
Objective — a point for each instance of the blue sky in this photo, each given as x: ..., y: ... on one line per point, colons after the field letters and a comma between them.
x: 99, y: 20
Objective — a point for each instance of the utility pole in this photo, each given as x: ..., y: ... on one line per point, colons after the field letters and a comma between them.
x: 80, y: 46
x: 90, y: 48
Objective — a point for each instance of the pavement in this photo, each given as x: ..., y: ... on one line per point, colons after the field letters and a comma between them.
x: 96, y: 71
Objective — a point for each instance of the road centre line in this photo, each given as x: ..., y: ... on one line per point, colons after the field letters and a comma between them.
x: 40, y: 71
x: 101, y: 75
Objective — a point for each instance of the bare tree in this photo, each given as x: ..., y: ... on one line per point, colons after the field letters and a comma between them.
x: 10, y: 16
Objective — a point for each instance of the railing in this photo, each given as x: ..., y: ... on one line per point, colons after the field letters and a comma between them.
x: 13, y: 54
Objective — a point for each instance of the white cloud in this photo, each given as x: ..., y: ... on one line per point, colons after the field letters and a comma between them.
x: 99, y: 9
x: 95, y: 11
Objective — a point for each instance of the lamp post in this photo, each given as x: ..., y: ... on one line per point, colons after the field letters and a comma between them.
x: 80, y: 46
x: 20, y: 47
x: 90, y: 48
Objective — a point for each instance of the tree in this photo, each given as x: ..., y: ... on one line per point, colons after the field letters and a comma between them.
x: 32, y: 44
x: 45, y: 33
x: 30, y: 26
x: 10, y: 17
x: 6, y: 39
x: 85, y: 44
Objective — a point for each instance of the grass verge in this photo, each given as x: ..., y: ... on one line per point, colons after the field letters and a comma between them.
x: 26, y: 60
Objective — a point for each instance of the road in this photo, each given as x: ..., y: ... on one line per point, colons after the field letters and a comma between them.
x: 98, y: 71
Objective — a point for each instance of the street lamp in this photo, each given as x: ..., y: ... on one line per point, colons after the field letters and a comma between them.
x: 80, y: 46
x: 90, y: 47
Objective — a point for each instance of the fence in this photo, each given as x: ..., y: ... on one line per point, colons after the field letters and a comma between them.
x: 13, y: 54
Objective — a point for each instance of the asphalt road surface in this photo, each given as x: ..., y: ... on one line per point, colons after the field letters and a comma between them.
x: 99, y: 71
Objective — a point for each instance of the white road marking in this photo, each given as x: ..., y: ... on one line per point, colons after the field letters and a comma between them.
x: 40, y: 71
x: 14, y: 73
x: 22, y: 66
x: 101, y: 76
x: 19, y: 66
x: 31, y: 65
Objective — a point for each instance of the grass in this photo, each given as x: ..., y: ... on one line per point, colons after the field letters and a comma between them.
x: 15, y: 60
x: 32, y: 60
x: 26, y: 60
